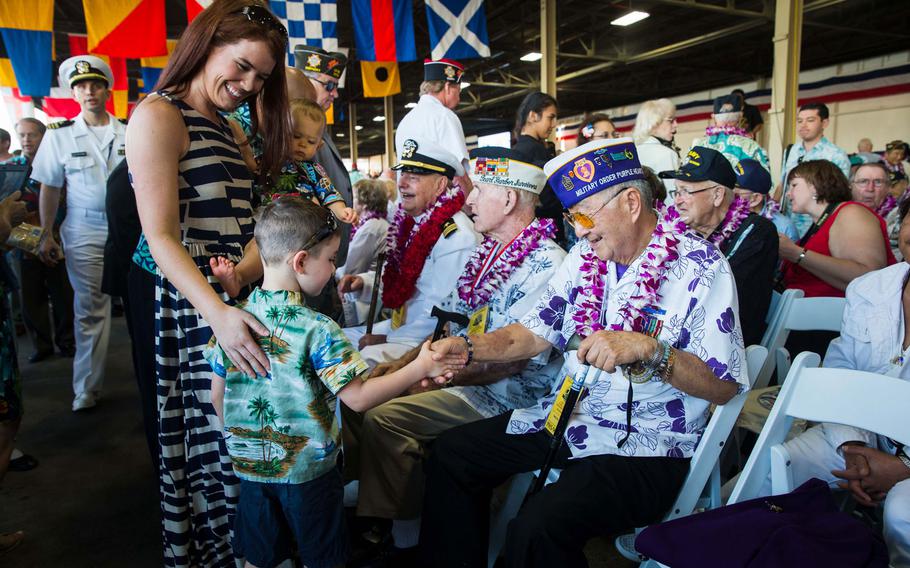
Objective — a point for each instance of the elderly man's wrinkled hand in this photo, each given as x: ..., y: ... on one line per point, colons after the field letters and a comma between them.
x: 884, y: 472
x: 608, y: 349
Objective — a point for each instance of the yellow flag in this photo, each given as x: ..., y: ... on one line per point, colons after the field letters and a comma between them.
x: 380, y: 78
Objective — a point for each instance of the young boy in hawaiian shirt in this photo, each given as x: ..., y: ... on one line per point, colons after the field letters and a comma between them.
x: 281, y: 430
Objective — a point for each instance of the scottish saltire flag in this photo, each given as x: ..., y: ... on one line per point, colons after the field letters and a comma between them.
x: 384, y: 30
x: 309, y: 22
x: 458, y: 29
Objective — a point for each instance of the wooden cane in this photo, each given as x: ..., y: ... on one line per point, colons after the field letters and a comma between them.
x: 374, y: 298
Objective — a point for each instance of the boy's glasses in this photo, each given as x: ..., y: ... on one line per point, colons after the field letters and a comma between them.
x: 324, y: 232
x: 263, y: 17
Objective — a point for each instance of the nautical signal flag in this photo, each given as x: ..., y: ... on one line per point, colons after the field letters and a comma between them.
x: 384, y: 30
x: 458, y: 29
x: 380, y: 78
x: 151, y: 67
x: 28, y: 26
x: 126, y: 28
x: 309, y: 22
x: 194, y: 8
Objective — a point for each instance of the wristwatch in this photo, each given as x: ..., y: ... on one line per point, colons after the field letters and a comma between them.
x: 903, y: 457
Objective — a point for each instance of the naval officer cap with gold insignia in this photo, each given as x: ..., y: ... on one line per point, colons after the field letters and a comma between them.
x: 85, y: 68
x: 498, y: 166
x: 318, y: 60
x: 425, y: 157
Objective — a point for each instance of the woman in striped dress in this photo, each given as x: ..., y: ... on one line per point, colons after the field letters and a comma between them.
x: 193, y: 193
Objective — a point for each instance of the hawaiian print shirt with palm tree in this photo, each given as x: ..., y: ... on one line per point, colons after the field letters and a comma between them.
x: 282, y: 428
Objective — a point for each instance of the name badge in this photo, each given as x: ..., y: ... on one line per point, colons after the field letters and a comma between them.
x: 477, y: 324
x: 121, y: 152
x: 399, y: 316
x: 559, y: 404
x: 79, y: 154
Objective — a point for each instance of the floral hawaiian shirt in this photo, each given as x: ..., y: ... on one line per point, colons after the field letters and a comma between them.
x: 735, y: 148
x: 698, y: 313
x: 282, y: 428
x: 512, y: 300
x: 306, y: 179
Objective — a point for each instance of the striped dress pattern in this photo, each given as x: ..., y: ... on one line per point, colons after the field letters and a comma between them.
x: 198, y: 487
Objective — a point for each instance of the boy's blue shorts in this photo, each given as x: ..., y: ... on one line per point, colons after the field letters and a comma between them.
x: 271, y: 517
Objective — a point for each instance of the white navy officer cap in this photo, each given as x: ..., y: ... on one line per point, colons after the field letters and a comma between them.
x: 84, y: 68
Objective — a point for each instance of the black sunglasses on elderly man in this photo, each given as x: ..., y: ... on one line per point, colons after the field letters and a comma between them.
x: 263, y: 17
x: 322, y: 233
x: 329, y: 85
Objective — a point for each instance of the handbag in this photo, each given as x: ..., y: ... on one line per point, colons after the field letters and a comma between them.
x: 803, y: 528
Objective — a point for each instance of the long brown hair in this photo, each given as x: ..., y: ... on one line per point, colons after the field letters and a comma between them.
x: 220, y: 24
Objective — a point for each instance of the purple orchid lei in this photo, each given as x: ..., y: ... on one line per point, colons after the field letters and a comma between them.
x: 652, y: 273
x: 738, y: 211
x: 367, y: 216
x: 886, y: 206
x: 477, y: 292
x: 770, y: 209
x: 728, y: 130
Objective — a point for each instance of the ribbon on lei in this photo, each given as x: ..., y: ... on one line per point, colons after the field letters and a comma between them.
x: 660, y: 253
x: 475, y: 288
x: 407, y: 253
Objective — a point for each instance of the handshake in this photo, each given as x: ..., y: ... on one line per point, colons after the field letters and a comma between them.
x: 440, y: 360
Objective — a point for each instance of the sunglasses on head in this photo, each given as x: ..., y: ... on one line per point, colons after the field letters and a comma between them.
x: 322, y: 233
x: 263, y: 17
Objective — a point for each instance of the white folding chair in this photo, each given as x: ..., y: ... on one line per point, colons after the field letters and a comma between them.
x: 817, y: 314
x: 702, y: 467
x: 779, y: 302
x: 799, y: 314
x: 838, y: 396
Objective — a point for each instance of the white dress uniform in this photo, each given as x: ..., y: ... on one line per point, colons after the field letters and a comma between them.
x: 74, y: 156
x: 437, y: 280
x: 871, y: 340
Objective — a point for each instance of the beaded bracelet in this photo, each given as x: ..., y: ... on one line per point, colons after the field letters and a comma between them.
x: 470, y: 345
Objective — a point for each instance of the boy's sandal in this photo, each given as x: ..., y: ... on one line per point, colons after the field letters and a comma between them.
x: 25, y: 462
x: 9, y: 541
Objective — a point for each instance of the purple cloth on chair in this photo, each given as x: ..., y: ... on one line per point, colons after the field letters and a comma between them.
x: 801, y: 528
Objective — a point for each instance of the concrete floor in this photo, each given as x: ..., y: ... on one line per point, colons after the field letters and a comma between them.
x: 93, y: 501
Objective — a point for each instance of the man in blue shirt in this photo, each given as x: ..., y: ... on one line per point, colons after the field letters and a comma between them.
x: 811, y: 123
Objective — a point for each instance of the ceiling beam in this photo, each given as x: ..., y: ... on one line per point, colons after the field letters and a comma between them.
x: 729, y: 10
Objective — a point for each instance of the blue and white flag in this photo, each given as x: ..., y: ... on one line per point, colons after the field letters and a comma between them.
x: 458, y: 29
x: 309, y: 22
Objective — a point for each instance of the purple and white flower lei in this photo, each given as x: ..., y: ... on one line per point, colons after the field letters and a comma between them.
x: 770, y: 209
x: 736, y: 214
x: 728, y: 130
x: 652, y: 272
x: 476, y: 293
x: 367, y: 216
x: 886, y: 206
